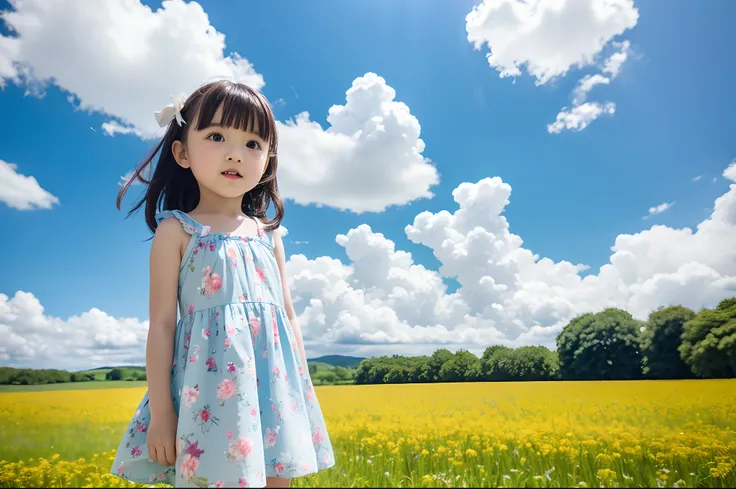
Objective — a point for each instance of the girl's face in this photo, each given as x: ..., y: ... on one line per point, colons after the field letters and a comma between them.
x: 226, y: 161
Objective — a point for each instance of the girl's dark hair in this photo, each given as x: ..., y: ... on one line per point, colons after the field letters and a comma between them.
x: 172, y: 187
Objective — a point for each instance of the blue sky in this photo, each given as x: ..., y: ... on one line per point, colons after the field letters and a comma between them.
x: 573, y: 192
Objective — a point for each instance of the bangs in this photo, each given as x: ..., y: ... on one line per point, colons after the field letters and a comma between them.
x: 242, y: 108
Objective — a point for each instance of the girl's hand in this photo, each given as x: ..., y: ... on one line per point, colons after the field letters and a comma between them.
x: 162, y: 438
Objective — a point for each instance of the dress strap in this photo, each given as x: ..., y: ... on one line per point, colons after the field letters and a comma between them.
x: 267, y: 235
x: 188, y: 223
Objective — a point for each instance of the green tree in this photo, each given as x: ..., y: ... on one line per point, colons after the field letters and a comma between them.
x: 117, y: 374
x: 495, y: 363
x: 660, y: 341
x: 709, y: 341
x: 436, y: 361
x: 341, y: 373
x: 601, y: 346
x: 463, y: 366
x: 533, y: 363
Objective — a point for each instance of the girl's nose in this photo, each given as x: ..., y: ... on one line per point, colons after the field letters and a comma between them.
x: 237, y: 158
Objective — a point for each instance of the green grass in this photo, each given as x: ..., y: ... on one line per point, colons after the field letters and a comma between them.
x: 72, y: 386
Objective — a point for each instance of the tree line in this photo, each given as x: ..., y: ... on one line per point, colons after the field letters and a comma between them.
x: 674, y: 343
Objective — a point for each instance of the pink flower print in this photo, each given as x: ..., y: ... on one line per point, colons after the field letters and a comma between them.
x: 190, y: 395
x: 279, y: 467
x: 121, y: 470
x: 141, y: 428
x: 191, y: 308
x: 193, y: 358
x: 232, y: 253
x: 273, y: 408
x: 305, y: 467
x: 259, y: 298
x: 231, y: 330
x: 293, y: 407
x: 211, y: 282
x: 240, y: 449
x: 225, y: 390
x: 218, y: 484
x: 326, y: 459
x: 196, y: 250
x: 276, y: 371
x: 261, y: 274
x: 212, y: 246
x: 230, y: 367
x: 242, y: 482
x: 173, y: 364
x: 286, y: 377
x: 205, y: 415
x: 227, y: 342
x: 255, y: 326
x: 244, y: 239
x: 253, y: 412
x: 206, y: 333
x: 318, y: 437
x: 136, y: 451
x: 194, y: 450
x: 270, y: 437
x: 138, y: 412
x: 310, y: 394
x: 261, y: 233
x: 189, y: 466
x: 242, y: 298
x: 229, y: 434
x: 211, y: 364
x: 301, y: 371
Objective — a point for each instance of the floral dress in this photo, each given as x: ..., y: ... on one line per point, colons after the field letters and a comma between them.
x: 246, y: 405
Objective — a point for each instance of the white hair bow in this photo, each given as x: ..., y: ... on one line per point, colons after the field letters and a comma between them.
x: 171, y: 111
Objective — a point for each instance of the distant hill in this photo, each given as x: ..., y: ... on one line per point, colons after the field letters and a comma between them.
x: 338, y: 360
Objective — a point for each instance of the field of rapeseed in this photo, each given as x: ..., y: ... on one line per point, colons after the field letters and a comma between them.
x: 550, y: 434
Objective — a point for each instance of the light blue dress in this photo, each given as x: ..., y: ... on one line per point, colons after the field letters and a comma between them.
x: 246, y: 404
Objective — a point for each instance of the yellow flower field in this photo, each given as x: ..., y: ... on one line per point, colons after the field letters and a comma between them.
x: 550, y: 434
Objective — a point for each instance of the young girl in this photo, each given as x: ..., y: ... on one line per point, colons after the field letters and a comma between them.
x: 230, y: 402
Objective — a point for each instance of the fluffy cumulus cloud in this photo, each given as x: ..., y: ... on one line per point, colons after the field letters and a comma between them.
x: 381, y: 301
x: 368, y: 158
x: 579, y: 117
x: 34, y: 339
x: 546, y: 37
x: 116, y: 57
x: 22, y: 192
x: 582, y: 113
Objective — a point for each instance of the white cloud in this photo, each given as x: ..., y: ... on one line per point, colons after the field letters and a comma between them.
x: 117, y: 57
x: 697, y: 178
x: 92, y: 339
x: 653, y: 211
x: 369, y: 158
x: 585, y: 85
x: 730, y: 172
x: 580, y: 116
x: 22, y: 192
x: 616, y: 60
x: 546, y: 37
x: 582, y: 113
x: 382, y: 302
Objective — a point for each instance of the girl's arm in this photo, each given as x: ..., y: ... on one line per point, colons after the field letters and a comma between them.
x: 166, y: 254
x: 288, y: 305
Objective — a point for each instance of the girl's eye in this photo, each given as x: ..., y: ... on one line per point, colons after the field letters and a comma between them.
x: 253, y: 145
x: 216, y: 137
